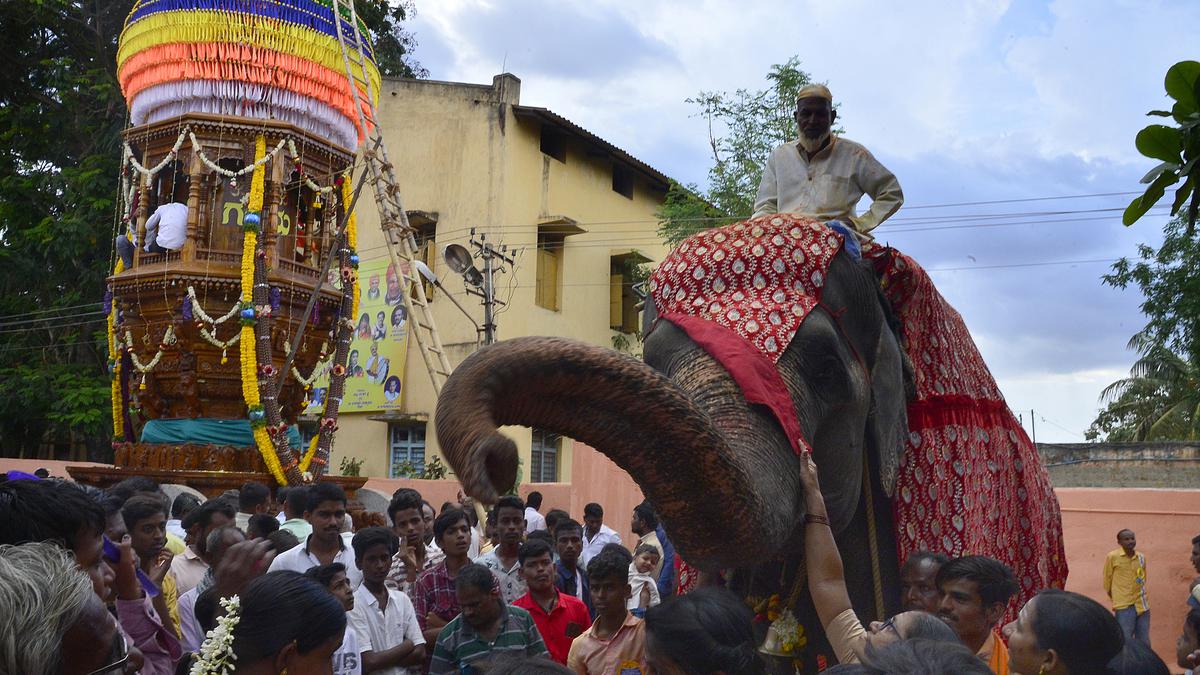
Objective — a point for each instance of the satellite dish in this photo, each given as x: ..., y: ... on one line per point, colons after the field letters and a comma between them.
x: 458, y: 258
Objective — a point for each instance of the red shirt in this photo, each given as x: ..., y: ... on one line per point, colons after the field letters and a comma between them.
x: 564, y: 623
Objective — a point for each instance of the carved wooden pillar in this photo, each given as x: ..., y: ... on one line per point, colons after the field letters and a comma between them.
x: 204, y: 210
x: 143, y: 209
x: 193, y: 203
x: 274, y: 194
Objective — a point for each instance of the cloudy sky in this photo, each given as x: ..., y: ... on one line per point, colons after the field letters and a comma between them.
x: 971, y: 101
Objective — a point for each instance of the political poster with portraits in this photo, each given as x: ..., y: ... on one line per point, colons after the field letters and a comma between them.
x: 379, y: 345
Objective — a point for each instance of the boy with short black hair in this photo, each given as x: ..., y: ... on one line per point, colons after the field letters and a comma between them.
x: 384, y: 619
x: 254, y: 497
x: 347, y: 660
x: 406, y: 511
x: 433, y: 593
x: 325, y: 511
x: 502, y: 560
x: 559, y: 617
x: 616, y: 642
x: 572, y: 578
x: 146, y: 522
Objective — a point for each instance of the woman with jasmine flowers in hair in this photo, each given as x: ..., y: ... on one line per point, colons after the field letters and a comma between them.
x: 280, y: 622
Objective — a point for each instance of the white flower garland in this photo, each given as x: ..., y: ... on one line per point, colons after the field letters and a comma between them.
x: 312, y: 376
x: 150, y: 173
x: 168, y: 339
x: 199, y: 311
x: 307, y: 181
x: 216, y: 654
x: 199, y: 150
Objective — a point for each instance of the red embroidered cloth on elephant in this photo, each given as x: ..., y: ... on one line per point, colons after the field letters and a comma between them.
x: 741, y: 291
x: 971, y: 481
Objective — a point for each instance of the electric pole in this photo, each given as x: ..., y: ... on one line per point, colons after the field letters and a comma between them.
x: 494, y: 260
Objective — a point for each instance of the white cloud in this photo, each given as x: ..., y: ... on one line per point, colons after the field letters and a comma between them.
x: 966, y: 101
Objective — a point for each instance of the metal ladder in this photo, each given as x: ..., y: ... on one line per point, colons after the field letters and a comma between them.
x: 397, y: 233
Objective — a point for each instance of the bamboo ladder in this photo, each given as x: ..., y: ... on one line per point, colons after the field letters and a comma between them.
x: 397, y: 233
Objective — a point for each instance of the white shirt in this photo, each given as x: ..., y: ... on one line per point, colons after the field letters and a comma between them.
x: 828, y: 185
x: 383, y: 629
x: 592, y: 546
x: 170, y: 220
x: 175, y: 527
x: 347, y: 660
x: 512, y: 584
x: 534, y: 520
x: 189, y: 626
x: 298, y: 559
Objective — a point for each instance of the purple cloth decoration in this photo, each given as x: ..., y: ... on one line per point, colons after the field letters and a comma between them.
x: 315, y: 317
x: 273, y: 298
x: 21, y: 475
x: 108, y: 299
x: 187, y: 308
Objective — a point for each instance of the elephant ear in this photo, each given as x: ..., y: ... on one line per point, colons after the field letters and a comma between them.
x: 891, y: 388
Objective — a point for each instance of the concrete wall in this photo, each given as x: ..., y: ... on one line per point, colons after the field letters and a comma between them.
x: 1159, y: 464
x: 1163, y: 520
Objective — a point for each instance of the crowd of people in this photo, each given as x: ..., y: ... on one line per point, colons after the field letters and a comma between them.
x: 125, y: 580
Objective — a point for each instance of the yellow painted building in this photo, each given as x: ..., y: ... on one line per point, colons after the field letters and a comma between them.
x: 573, y: 210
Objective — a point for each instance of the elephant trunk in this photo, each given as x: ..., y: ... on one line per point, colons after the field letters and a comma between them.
x: 709, y: 492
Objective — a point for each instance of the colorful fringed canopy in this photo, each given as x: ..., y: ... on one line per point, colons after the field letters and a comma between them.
x: 265, y: 59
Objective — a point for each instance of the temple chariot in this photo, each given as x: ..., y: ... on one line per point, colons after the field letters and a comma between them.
x: 249, y: 114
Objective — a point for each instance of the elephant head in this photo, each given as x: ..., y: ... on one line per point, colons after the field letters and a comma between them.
x: 721, y: 471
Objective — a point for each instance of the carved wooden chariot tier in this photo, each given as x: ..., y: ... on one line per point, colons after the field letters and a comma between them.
x: 234, y: 183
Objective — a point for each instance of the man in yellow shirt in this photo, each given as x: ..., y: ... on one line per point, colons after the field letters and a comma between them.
x: 1125, y: 583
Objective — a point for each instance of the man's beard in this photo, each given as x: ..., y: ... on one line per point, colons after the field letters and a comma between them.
x: 811, y: 145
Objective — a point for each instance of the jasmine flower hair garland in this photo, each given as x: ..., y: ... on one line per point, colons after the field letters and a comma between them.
x: 216, y: 654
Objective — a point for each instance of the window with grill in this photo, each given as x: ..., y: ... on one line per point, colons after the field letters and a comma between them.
x: 543, y: 457
x: 407, y: 443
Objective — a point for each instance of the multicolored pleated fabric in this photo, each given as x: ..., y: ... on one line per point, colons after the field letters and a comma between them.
x: 265, y: 59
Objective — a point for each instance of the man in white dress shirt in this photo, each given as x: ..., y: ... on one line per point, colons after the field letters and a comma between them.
x: 824, y: 176
x: 389, y: 635
x: 595, y: 533
x: 533, y: 520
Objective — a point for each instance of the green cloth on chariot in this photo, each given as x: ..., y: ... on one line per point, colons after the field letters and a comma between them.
x: 204, y: 430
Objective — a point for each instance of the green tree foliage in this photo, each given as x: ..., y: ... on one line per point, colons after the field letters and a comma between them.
x: 61, y: 116
x: 1176, y: 147
x: 61, y: 113
x: 1153, y: 402
x: 394, y: 44
x: 744, y: 127
x: 1160, y: 400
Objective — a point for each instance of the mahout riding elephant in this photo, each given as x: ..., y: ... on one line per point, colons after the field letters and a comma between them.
x: 763, y: 340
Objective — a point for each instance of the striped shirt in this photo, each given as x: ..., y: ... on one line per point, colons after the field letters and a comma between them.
x: 460, y: 649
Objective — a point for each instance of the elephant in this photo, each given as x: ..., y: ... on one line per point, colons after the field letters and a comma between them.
x: 717, y: 457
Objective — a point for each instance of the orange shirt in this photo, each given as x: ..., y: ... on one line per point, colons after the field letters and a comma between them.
x: 995, y: 652
x: 622, y: 654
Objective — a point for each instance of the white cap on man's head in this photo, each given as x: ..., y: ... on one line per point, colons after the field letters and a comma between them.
x: 814, y: 91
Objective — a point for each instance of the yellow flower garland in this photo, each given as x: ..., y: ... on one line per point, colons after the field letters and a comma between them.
x: 118, y: 409
x: 249, y: 359
x: 352, y: 244
x: 351, y: 239
x: 309, y: 454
